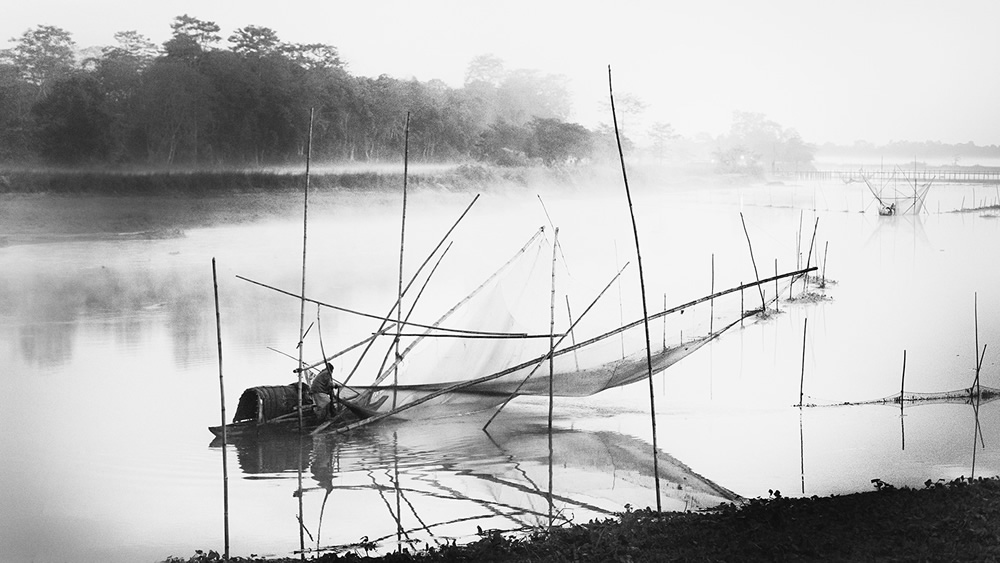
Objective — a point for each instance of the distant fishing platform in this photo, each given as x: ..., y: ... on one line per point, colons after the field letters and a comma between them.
x: 977, y: 175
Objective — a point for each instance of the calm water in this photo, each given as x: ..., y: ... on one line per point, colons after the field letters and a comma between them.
x: 110, y: 373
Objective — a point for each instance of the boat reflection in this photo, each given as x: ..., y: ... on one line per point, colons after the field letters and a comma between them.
x: 421, y: 482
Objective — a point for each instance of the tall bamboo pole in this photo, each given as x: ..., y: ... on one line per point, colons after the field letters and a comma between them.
x: 802, y: 377
x: 902, y: 382
x: 760, y: 289
x: 776, y: 295
x: 552, y: 349
x: 305, y: 235
x: 664, y: 322
x: 975, y: 314
x: 642, y: 289
x: 805, y: 279
x: 826, y: 251
x: 302, y: 322
x: 222, y: 411
x: 537, y: 362
x: 402, y: 239
x: 711, y: 306
x: 572, y: 335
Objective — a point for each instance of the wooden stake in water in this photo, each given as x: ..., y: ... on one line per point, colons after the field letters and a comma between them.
x: 572, y: 335
x: 776, y: 296
x: 552, y: 349
x: 222, y: 410
x: 975, y: 315
x: 302, y: 323
x: 402, y: 239
x: 812, y: 241
x: 902, y: 382
x: 763, y: 305
x: 826, y: 252
x: 664, y: 322
x: 802, y: 378
x: 642, y: 289
x: 798, y: 243
x: 711, y: 306
x: 305, y: 234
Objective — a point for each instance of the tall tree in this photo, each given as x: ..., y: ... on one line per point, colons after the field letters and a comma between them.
x: 42, y: 55
x: 255, y: 41
x: 487, y: 69
x: 203, y: 32
x: 662, y: 135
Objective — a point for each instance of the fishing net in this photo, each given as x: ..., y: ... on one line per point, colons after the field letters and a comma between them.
x: 966, y: 396
x: 586, y: 361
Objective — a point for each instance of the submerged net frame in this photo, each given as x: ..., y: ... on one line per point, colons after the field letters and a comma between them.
x: 967, y: 396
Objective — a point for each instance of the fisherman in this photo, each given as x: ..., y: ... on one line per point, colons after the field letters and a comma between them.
x: 321, y: 390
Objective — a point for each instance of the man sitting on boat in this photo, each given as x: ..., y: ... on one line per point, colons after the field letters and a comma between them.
x: 321, y: 390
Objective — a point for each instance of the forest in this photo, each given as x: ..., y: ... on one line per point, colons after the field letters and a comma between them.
x: 191, y: 102
x: 194, y: 103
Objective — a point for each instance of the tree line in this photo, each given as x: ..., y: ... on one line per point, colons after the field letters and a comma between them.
x: 192, y: 102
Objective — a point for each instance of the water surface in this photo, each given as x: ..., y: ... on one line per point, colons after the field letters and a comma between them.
x: 110, y: 369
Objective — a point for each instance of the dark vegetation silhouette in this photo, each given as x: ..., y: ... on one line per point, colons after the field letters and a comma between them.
x: 193, y: 103
x: 198, y: 102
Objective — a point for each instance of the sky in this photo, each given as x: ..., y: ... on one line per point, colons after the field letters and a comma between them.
x: 872, y: 70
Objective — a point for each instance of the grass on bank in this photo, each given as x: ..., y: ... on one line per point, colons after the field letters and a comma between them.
x: 944, y: 521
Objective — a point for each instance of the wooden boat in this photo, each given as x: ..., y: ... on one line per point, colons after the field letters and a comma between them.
x: 273, y: 409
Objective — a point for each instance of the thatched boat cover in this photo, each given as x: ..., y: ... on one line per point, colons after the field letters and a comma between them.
x: 268, y: 401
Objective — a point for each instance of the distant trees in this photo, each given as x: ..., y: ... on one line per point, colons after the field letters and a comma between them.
x: 195, y: 101
x: 756, y: 144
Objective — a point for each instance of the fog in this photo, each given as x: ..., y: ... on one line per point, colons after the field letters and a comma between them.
x: 856, y: 70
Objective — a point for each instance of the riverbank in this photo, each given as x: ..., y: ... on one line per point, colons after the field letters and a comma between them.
x: 954, y: 521
x: 201, y: 183
x: 38, y: 206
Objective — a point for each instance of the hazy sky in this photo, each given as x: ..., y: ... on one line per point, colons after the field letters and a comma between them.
x: 838, y: 71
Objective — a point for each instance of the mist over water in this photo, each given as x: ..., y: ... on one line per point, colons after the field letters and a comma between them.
x: 109, y: 366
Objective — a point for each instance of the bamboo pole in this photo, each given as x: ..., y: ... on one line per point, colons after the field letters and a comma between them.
x: 642, y: 289
x: 902, y: 382
x: 446, y: 315
x: 552, y: 371
x: 742, y: 310
x: 572, y: 336
x: 802, y: 377
x: 412, y: 280
x: 302, y: 299
x: 664, y: 322
x: 551, y: 224
x: 222, y: 411
x: 711, y: 307
x: 760, y: 288
x: 812, y: 241
x: 386, y: 319
x: 776, y: 295
x: 826, y: 252
x: 975, y: 316
x: 395, y: 364
x: 621, y: 311
x: 402, y: 240
x: 537, y: 362
x: 302, y: 321
x: 798, y: 242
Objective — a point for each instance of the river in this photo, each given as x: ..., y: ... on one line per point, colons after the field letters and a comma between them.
x: 109, y: 367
